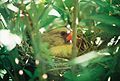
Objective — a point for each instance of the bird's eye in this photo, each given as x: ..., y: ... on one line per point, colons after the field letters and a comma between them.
x: 63, y: 33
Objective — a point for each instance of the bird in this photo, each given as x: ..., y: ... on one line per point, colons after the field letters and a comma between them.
x: 67, y: 37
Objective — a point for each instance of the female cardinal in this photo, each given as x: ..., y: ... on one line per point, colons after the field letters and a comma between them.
x: 67, y: 36
x: 81, y: 43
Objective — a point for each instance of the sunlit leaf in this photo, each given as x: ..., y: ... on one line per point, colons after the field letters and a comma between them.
x: 86, y: 58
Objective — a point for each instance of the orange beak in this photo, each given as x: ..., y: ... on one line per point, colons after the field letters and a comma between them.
x: 69, y: 37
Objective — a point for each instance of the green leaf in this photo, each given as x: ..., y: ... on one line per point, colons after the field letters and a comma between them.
x: 106, y: 19
x: 36, y: 73
x: 28, y: 73
x: 69, y: 3
x: 70, y: 76
x: 101, y: 3
x: 112, y: 30
x: 33, y: 8
x: 59, y: 4
x: 84, y: 59
x: 63, y: 12
x: 46, y: 21
x: 115, y: 2
x: 95, y: 73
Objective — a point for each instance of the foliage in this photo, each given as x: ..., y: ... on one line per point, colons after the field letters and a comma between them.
x: 33, y: 58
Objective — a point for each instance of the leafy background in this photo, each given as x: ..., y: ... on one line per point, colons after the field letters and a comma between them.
x: 42, y: 59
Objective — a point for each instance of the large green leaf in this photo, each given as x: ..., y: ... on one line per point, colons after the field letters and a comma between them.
x: 113, y: 30
x: 85, y: 59
x: 106, y: 19
x: 104, y: 6
x: 96, y: 73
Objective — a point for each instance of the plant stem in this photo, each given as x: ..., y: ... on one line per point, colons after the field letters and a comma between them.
x: 74, y: 26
